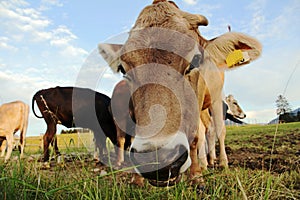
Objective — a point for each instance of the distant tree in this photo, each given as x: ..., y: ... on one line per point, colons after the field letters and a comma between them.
x: 282, y: 105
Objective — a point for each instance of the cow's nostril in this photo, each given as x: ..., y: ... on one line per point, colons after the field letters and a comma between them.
x: 133, y: 150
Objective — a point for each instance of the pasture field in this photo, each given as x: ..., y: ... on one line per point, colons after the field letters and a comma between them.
x: 264, y: 163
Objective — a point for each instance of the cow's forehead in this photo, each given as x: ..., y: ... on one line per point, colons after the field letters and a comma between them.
x: 158, y: 41
x: 161, y: 26
x: 165, y: 15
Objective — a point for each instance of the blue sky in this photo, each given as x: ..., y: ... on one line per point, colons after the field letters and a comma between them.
x: 45, y: 43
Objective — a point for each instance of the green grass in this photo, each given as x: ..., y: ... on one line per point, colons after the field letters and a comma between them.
x: 26, y: 180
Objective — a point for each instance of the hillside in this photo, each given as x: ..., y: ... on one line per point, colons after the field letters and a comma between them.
x: 294, y: 112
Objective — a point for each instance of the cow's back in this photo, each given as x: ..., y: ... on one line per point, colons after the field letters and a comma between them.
x: 13, y: 117
x: 58, y: 100
x: 79, y: 107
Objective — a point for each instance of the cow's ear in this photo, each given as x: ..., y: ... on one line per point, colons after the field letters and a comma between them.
x: 233, y: 49
x: 111, y: 54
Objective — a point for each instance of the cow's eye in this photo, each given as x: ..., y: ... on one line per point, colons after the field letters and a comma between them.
x: 121, y: 69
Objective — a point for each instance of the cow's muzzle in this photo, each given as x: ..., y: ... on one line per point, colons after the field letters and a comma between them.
x: 162, y: 167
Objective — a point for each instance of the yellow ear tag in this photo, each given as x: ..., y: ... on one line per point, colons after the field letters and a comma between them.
x: 234, y: 58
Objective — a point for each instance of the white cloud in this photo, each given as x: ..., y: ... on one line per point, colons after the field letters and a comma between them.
x: 23, y: 21
x: 23, y: 17
x: 13, y: 3
x: 276, y: 24
x: 30, y: 22
x: 26, y: 26
x: 73, y: 52
x: 22, y: 86
x: 62, y: 36
x: 4, y: 44
x: 191, y: 2
x: 47, y: 4
x: 260, y: 116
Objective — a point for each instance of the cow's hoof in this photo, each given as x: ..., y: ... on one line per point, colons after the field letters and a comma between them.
x: 16, y: 158
x: 223, y: 164
x: 99, y: 164
x: 61, y: 161
x: 46, y: 165
x: 200, y: 189
x: 137, y: 180
x: 42, y: 159
x: 198, y: 183
x: 119, y: 164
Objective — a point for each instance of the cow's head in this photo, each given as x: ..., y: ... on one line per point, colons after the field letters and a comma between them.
x: 234, y: 108
x: 163, y: 47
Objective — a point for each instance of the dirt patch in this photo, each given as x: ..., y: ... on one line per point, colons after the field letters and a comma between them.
x: 264, y: 154
x: 259, y: 153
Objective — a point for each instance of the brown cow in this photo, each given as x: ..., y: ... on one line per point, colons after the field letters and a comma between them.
x: 75, y: 107
x: 174, y: 73
x: 13, y: 118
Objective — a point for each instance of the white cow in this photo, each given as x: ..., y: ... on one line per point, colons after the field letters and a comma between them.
x: 231, y: 111
x: 13, y: 118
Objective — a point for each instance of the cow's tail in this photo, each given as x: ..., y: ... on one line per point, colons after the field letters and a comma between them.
x: 34, y: 98
x: 24, y: 128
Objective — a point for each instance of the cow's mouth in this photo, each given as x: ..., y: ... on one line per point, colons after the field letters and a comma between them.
x: 166, y: 172
x: 170, y: 182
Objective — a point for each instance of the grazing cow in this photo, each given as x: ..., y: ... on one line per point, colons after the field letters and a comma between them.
x: 75, y: 107
x: 13, y: 118
x: 174, y: 73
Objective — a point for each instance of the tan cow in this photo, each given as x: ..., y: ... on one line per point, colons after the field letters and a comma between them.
x: 231, y: 111
x: 173, y: 74
x: 13, y: 118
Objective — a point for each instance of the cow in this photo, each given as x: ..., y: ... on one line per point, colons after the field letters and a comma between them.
x: 231, y: 111
x: 122, y: 112
x: 173, y: 74
x: 13, y: 118
x: 121, y: 105
x: 75, y: 107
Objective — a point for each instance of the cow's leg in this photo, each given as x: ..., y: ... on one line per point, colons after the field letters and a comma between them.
x: 96, y: 151
x: 99, y: 148
x: 23, y: 130
x: 211, y: 143
x: 10, y: 141
x: 55, y: 146
x: 21, y: 145
x: 220, y: 130
x: 223, y: 155
x: 3, y: 147
x: 195, y: 170
x: 201, y: 147
x: 48, y: 138
x: 120, y: 143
